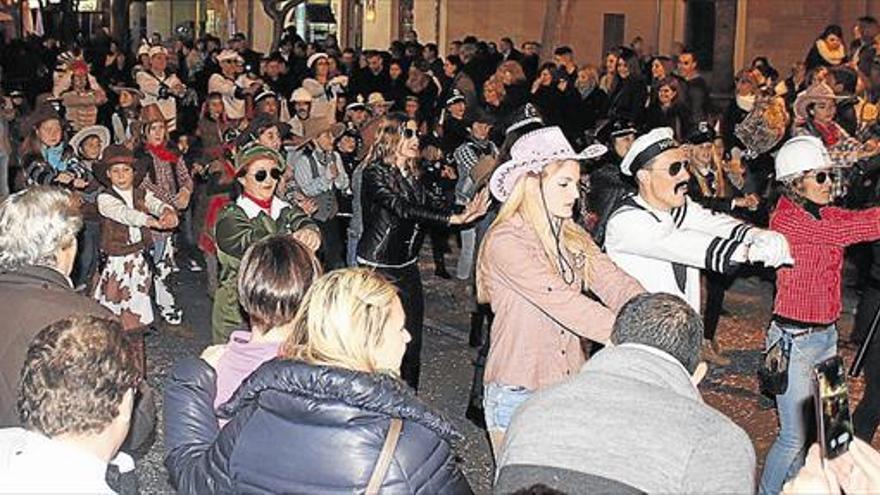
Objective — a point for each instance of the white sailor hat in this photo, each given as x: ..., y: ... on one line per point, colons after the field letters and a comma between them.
x: 264, y: 93
x: 645, y: 148
x: 315, y: 57
x: 227, y: 55
x: 157, y: 50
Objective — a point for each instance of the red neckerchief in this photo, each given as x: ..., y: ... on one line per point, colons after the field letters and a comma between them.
x: 162, y: 153
x: 830, y: 134
x: 265, y: 205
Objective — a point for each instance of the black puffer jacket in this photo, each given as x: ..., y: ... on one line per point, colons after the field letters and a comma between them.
x: 392, y: 207
x: 298, y: 428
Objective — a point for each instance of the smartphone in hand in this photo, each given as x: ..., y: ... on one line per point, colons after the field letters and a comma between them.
x: 833, y: 419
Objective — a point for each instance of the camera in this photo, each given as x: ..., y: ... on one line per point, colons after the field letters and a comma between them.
x: 164, y: 92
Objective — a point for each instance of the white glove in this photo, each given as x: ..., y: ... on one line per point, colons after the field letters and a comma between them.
x: 770, y: 248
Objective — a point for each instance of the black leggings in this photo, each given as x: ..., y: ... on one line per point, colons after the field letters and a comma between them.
x: 408, y: 281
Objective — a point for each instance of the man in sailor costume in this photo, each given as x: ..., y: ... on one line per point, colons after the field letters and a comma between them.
x: 662, y: 238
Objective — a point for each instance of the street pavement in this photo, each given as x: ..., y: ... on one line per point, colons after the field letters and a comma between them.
x: 448, y: 363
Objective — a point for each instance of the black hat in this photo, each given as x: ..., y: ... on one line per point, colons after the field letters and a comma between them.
x: 454, y: 97
x: 525, y: 115
x: 702, y: 133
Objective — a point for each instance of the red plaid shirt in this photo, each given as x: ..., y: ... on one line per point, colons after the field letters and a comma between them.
x: 809, y: 292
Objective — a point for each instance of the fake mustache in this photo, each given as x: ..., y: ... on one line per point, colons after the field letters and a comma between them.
x: 681, y: 186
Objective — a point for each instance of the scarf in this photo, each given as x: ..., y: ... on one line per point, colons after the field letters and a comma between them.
x: 745, y: 102
x: 830, y: 134
x: 833, y: 57
x: 161, y: 152
x: 586, y: 90
x: 264, y: 204
x: 53, y: 155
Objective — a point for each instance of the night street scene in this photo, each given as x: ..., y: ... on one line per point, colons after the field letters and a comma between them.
x: 430, y: 247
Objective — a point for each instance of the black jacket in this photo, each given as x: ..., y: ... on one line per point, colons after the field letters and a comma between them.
x: 298, y: 428
x: 392, y: 207
x: 628, y: 100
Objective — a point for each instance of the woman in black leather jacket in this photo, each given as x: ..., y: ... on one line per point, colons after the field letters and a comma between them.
x: 315, y: 420
x: 393, y: 203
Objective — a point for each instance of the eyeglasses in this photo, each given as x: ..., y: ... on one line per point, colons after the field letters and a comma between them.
x: 821, y: 177
x: 262, y: 175
x: 675, y: 168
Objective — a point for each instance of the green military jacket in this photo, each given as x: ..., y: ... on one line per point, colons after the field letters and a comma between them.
x: 239, y: 225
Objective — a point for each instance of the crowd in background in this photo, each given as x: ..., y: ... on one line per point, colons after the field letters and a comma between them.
x: 303, y: 183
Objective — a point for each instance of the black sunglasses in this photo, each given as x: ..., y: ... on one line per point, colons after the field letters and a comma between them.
x: 262, y: 175
x: 821, y: 177
x: 675, y: 167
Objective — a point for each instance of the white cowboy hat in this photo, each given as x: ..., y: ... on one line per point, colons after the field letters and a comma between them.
x: 100, y: 131
x: 531, y: 153
x: 815, y: 93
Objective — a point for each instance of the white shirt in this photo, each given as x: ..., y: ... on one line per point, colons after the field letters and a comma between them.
x: 33, y: 463
x: 665, y: 251
x: 125, y: 213
x: 149, y: 83
x: 236, y: 108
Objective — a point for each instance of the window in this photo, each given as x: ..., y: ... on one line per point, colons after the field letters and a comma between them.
x: 700, y: 31
x: 613, y: 26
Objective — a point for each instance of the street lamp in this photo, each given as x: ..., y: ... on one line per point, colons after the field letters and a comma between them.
x: 370, y: 11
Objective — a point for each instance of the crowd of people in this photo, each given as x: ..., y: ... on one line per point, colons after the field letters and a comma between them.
x: 592, y: 206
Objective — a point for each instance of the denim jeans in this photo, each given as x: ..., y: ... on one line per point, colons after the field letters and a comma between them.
x: 795, y: 407
x: 4, y: 174
x: 466, y: 257
x: 500, y: 402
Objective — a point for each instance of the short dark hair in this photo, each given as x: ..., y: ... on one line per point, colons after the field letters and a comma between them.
x: 75, y: 374
x: 563, y: 50
x: 867, y: 20
x: 432, y: 47
x: 507, y: 40
x: 456, y: 61
x: 663, y: 321
x: 274, y: 276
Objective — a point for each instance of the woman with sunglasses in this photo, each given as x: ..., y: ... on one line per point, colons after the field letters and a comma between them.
x: 808, y: 297
x: 393, y: 204
x: 254, y: 214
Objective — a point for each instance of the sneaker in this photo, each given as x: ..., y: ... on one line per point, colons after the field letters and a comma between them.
x: 194, y: 267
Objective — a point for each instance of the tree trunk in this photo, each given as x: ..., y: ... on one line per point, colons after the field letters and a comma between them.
x: 119, y: 22
x: 556, y: 16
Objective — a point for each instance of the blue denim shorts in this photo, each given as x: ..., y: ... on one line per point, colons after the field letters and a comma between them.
x: 500, y: 402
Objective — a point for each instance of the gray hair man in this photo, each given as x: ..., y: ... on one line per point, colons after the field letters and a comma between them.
x: 38, y: 228
x: 632, y: 420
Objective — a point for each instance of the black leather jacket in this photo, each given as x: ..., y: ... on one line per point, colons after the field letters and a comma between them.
x: 392, y: 208
x: 299, y: 428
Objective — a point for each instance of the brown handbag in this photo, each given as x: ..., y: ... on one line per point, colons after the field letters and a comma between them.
x: 385, y: 457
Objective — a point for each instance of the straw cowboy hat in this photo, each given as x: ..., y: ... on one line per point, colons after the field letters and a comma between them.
x: 531, y: 153
x: 815, y: 93
x: 312, y: 128
x: 152, y: 113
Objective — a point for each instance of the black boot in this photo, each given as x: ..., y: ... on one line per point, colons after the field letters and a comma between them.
x: 440, y: 267
x: 475, y: 339
x: 476, y: 415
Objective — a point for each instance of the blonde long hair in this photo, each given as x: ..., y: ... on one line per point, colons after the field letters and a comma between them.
x: 388, y: 137
x: 342, y: 320
x: 525, y: 200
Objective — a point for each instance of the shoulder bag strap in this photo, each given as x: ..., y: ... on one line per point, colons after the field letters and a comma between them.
x: 385, y: 457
